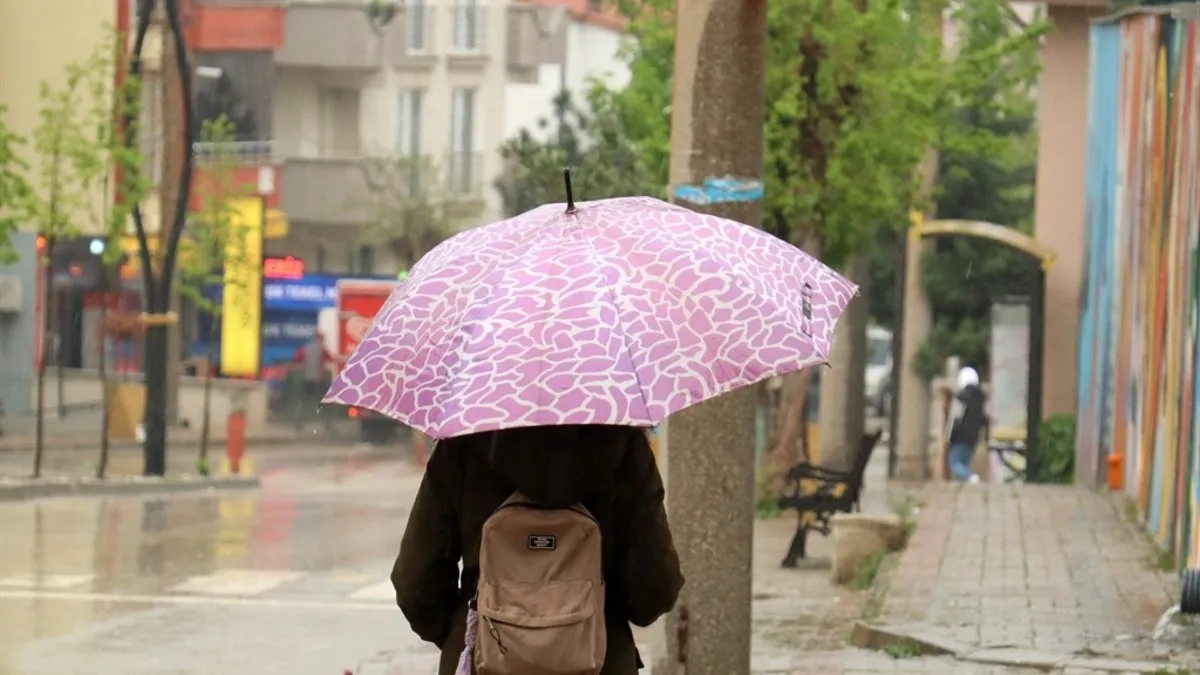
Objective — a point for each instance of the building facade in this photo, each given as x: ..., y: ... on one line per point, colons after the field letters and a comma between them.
x: 360, y: 106
x: 559, y: 46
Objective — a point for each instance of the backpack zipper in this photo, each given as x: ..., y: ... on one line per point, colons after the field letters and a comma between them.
x: 539, y: 507
x: 496, y: 636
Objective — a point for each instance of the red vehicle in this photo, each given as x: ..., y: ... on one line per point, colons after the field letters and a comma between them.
x: 358, y: 301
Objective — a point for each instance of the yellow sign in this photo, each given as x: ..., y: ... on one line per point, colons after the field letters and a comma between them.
x: 241, y: 295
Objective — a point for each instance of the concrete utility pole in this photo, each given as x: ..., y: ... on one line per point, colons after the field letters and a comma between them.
x: 716, y: 131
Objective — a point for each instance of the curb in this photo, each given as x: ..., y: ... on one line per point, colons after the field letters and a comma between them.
x: 925, y: 643
x: 262, y: 442
x: 134, y: 488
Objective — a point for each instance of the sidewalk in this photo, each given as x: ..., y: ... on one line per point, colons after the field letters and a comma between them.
x: 802, y: 622
x: 1054, y: 570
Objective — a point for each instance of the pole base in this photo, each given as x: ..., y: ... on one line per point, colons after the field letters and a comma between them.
x: 1189, y: 596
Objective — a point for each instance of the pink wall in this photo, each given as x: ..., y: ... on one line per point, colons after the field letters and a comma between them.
x: 1059, y: 194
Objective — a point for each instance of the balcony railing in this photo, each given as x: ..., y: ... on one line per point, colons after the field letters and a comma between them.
x: 237, y: 152
x: 465, y: 179
x: 467, y: 28
x: 400, y: 176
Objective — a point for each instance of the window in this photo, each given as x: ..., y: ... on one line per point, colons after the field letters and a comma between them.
x: 338, y: 122
x: 467, y: 25
x: 408, y: 130
x: 417, y: 20
x: 360, y: 260
x: 462, y: 141
x: 366, y: 260
x: 320, y: 258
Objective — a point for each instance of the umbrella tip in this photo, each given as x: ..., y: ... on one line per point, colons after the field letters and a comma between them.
x: 570, y: 193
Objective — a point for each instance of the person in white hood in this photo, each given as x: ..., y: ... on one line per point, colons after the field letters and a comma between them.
x: 968, y: 420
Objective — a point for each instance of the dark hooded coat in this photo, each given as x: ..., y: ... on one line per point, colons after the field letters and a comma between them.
x: 610, y: 469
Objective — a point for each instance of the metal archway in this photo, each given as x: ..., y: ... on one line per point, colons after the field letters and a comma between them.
x: 1014, y: 239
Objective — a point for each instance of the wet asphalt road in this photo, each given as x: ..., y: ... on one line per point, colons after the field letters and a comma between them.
x: 291, y: 579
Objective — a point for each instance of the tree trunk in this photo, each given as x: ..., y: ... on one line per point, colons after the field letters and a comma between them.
x: 40, y: 413
x: 205, y: 423
x: 788, y: 435
x: 789, y: 423
x: 105, y: 404
x: 843, y: 400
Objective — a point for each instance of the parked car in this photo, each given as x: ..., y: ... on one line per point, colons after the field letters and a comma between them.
x: 878, y: 375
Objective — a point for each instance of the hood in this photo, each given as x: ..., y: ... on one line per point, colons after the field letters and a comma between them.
x: 561, y: 465
x: 967, y: 377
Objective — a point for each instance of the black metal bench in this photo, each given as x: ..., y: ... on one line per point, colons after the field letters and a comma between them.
x: 816, y: 493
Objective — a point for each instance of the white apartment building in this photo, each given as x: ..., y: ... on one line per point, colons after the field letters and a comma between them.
x: 448, y: 81
x: 578, y: 41
x: 431, y: 83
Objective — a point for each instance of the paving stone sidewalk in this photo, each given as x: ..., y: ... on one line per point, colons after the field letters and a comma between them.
x: 1055, y: 569
x: 801, y: 622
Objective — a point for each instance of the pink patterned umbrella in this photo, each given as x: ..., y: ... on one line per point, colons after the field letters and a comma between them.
x: 619, y: 312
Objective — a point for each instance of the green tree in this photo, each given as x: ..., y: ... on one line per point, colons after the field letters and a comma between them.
x: 70, y: 181
x: 216, y: 238
x: 991, y: 179
x: 410, y: 205
x: 962, y: 276
x: 858, y: 91
x: 14, y: 188
x: 110, y: 175
x: 594, y: 144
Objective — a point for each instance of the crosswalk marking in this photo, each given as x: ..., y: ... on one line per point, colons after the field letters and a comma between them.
x: 237, y: 582
x: 350, y: 586
x: 148, y: 599
x: 380, y: 591
x: 353, y: 577
x: 47, y: 581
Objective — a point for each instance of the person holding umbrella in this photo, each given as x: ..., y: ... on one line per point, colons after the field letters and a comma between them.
x: 539, y: 350
x: 607, y: 469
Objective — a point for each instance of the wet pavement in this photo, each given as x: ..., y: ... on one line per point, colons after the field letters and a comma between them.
x: 290, y: 579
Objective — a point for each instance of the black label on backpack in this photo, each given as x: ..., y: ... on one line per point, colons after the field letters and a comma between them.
x: 542, y: 542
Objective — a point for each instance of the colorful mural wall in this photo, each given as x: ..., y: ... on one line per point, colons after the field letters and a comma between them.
x: 1138, y: 331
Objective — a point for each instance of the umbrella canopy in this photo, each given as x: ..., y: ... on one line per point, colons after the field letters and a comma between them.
x: 620, y: 311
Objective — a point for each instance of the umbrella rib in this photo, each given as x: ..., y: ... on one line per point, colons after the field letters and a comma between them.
x: 521, y: 252
x: 612, y: 293
x: 736, y: 276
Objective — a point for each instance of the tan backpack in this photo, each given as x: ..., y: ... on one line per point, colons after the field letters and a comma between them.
x: 540, y: 598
